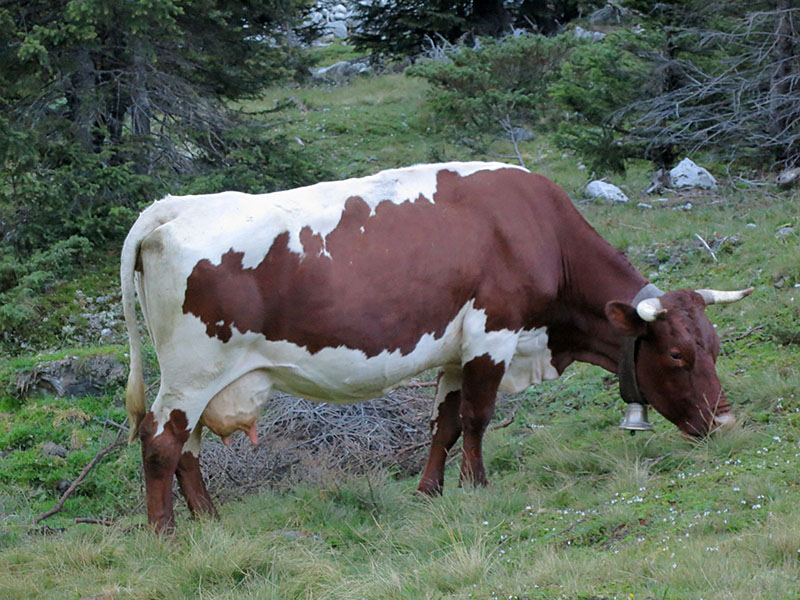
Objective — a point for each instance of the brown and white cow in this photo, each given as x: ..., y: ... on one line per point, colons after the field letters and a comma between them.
x: 338, y: 291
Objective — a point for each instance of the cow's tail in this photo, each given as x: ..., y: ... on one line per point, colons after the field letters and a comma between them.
x: 148, y: 221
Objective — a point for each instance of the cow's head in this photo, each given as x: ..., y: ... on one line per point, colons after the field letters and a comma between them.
x: 677, y: 353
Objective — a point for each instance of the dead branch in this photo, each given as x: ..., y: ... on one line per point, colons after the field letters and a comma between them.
x: 571, y: 527
x: 91, y: 521
x: 505, y: 123
x: 710, y: 251
x: 508, y: 421
x: 500, y: 425
x: 655, y: 460
x: 120, y: 440
x: 420, y: 384
x: 748, y: 102
x: 741, y: 336
x: 413, y: 447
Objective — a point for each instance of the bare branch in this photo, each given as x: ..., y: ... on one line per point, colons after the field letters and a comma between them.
x: 707, y: 247
x: 120, y: 440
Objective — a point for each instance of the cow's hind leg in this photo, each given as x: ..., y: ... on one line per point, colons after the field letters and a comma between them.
x: 481, y: 379
x: 160, y: 456
x: 190, y: 478
x: 445, y: 429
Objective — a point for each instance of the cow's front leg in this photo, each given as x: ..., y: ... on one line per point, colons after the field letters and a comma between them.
x: 481, y: 379
x: 445, y: 429
x: 160, y: 457
x: 190, y: 478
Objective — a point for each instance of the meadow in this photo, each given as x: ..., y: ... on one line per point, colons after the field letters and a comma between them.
x: 576, y: 509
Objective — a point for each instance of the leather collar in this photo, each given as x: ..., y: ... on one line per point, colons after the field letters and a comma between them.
x: 626, y: 368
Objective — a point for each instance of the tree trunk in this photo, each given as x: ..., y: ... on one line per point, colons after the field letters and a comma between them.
x: 140, y: 108
x: 80, y: 94
x: 491, y: 17
x: 785, y: 84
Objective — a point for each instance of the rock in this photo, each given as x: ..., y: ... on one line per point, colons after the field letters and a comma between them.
x: 343, y: 71
x: 688, y: 174
x: 52, y: 449
x: 521, y: 134
x: 337, y: 29
x: 72, y: 376
x: 605, y: 191
x: 784, y: 232
x: 788, y: 178
x: 590, y: 36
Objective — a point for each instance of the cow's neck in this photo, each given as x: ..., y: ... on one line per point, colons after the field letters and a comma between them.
x: 594, y: 274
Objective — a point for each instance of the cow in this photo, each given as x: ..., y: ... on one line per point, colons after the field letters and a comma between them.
x: 339, y: 291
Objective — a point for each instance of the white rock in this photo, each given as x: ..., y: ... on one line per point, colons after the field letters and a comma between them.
x: 606, y: 191
x: 788, y: 178
x: 688, y: 174
x: 585, y: 34
x: 337, y: 29
x: 342, y: 71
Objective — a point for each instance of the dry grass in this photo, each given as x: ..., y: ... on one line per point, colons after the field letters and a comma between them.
x: 305, y: 441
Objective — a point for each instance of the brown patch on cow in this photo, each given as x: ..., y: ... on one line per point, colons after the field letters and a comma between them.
x: 480, y: 380
x: 193, y: 488
x: 160, y: 457
x: 391, y: 277
x: 446, y: 429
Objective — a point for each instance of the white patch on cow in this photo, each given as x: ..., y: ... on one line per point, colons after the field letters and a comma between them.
x: 499, y: 345
x: 195, y: 368
x: 254, y: 221
x: 194, y: 443
x: 531, y: 363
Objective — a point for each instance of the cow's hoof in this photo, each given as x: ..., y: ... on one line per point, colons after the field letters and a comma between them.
x: 429, y: 490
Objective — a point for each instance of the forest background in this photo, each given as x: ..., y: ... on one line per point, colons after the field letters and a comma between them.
x: 105, y: 106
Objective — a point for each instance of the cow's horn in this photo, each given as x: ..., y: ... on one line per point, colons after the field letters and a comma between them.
x: 650, y: 309
x: 721, y: 297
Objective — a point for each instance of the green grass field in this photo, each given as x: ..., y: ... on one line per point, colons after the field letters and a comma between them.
x: 577, y: 509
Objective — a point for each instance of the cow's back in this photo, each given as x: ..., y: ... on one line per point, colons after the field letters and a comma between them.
x: 378, y: 268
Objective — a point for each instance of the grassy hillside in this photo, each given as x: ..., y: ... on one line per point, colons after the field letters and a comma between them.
x: 576, y: 509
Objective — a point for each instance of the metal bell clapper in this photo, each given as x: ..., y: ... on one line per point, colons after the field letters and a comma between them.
x: 635, y: 418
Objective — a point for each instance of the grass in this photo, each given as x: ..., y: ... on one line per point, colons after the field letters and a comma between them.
x: 361, y: 128
x: 614, y: 521
x: 576, y: 509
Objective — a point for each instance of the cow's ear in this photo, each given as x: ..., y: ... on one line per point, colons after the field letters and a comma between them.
x: 625, y: 319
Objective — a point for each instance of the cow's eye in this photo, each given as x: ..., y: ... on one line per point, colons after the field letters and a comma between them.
x: 676, y: 355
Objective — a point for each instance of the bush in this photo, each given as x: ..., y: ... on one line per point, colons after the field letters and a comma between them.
x: 595, y: 82
x: 61, y: 204
x: 483, y: 91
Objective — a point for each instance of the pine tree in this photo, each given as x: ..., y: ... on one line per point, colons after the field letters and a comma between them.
x: 108, y: 72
